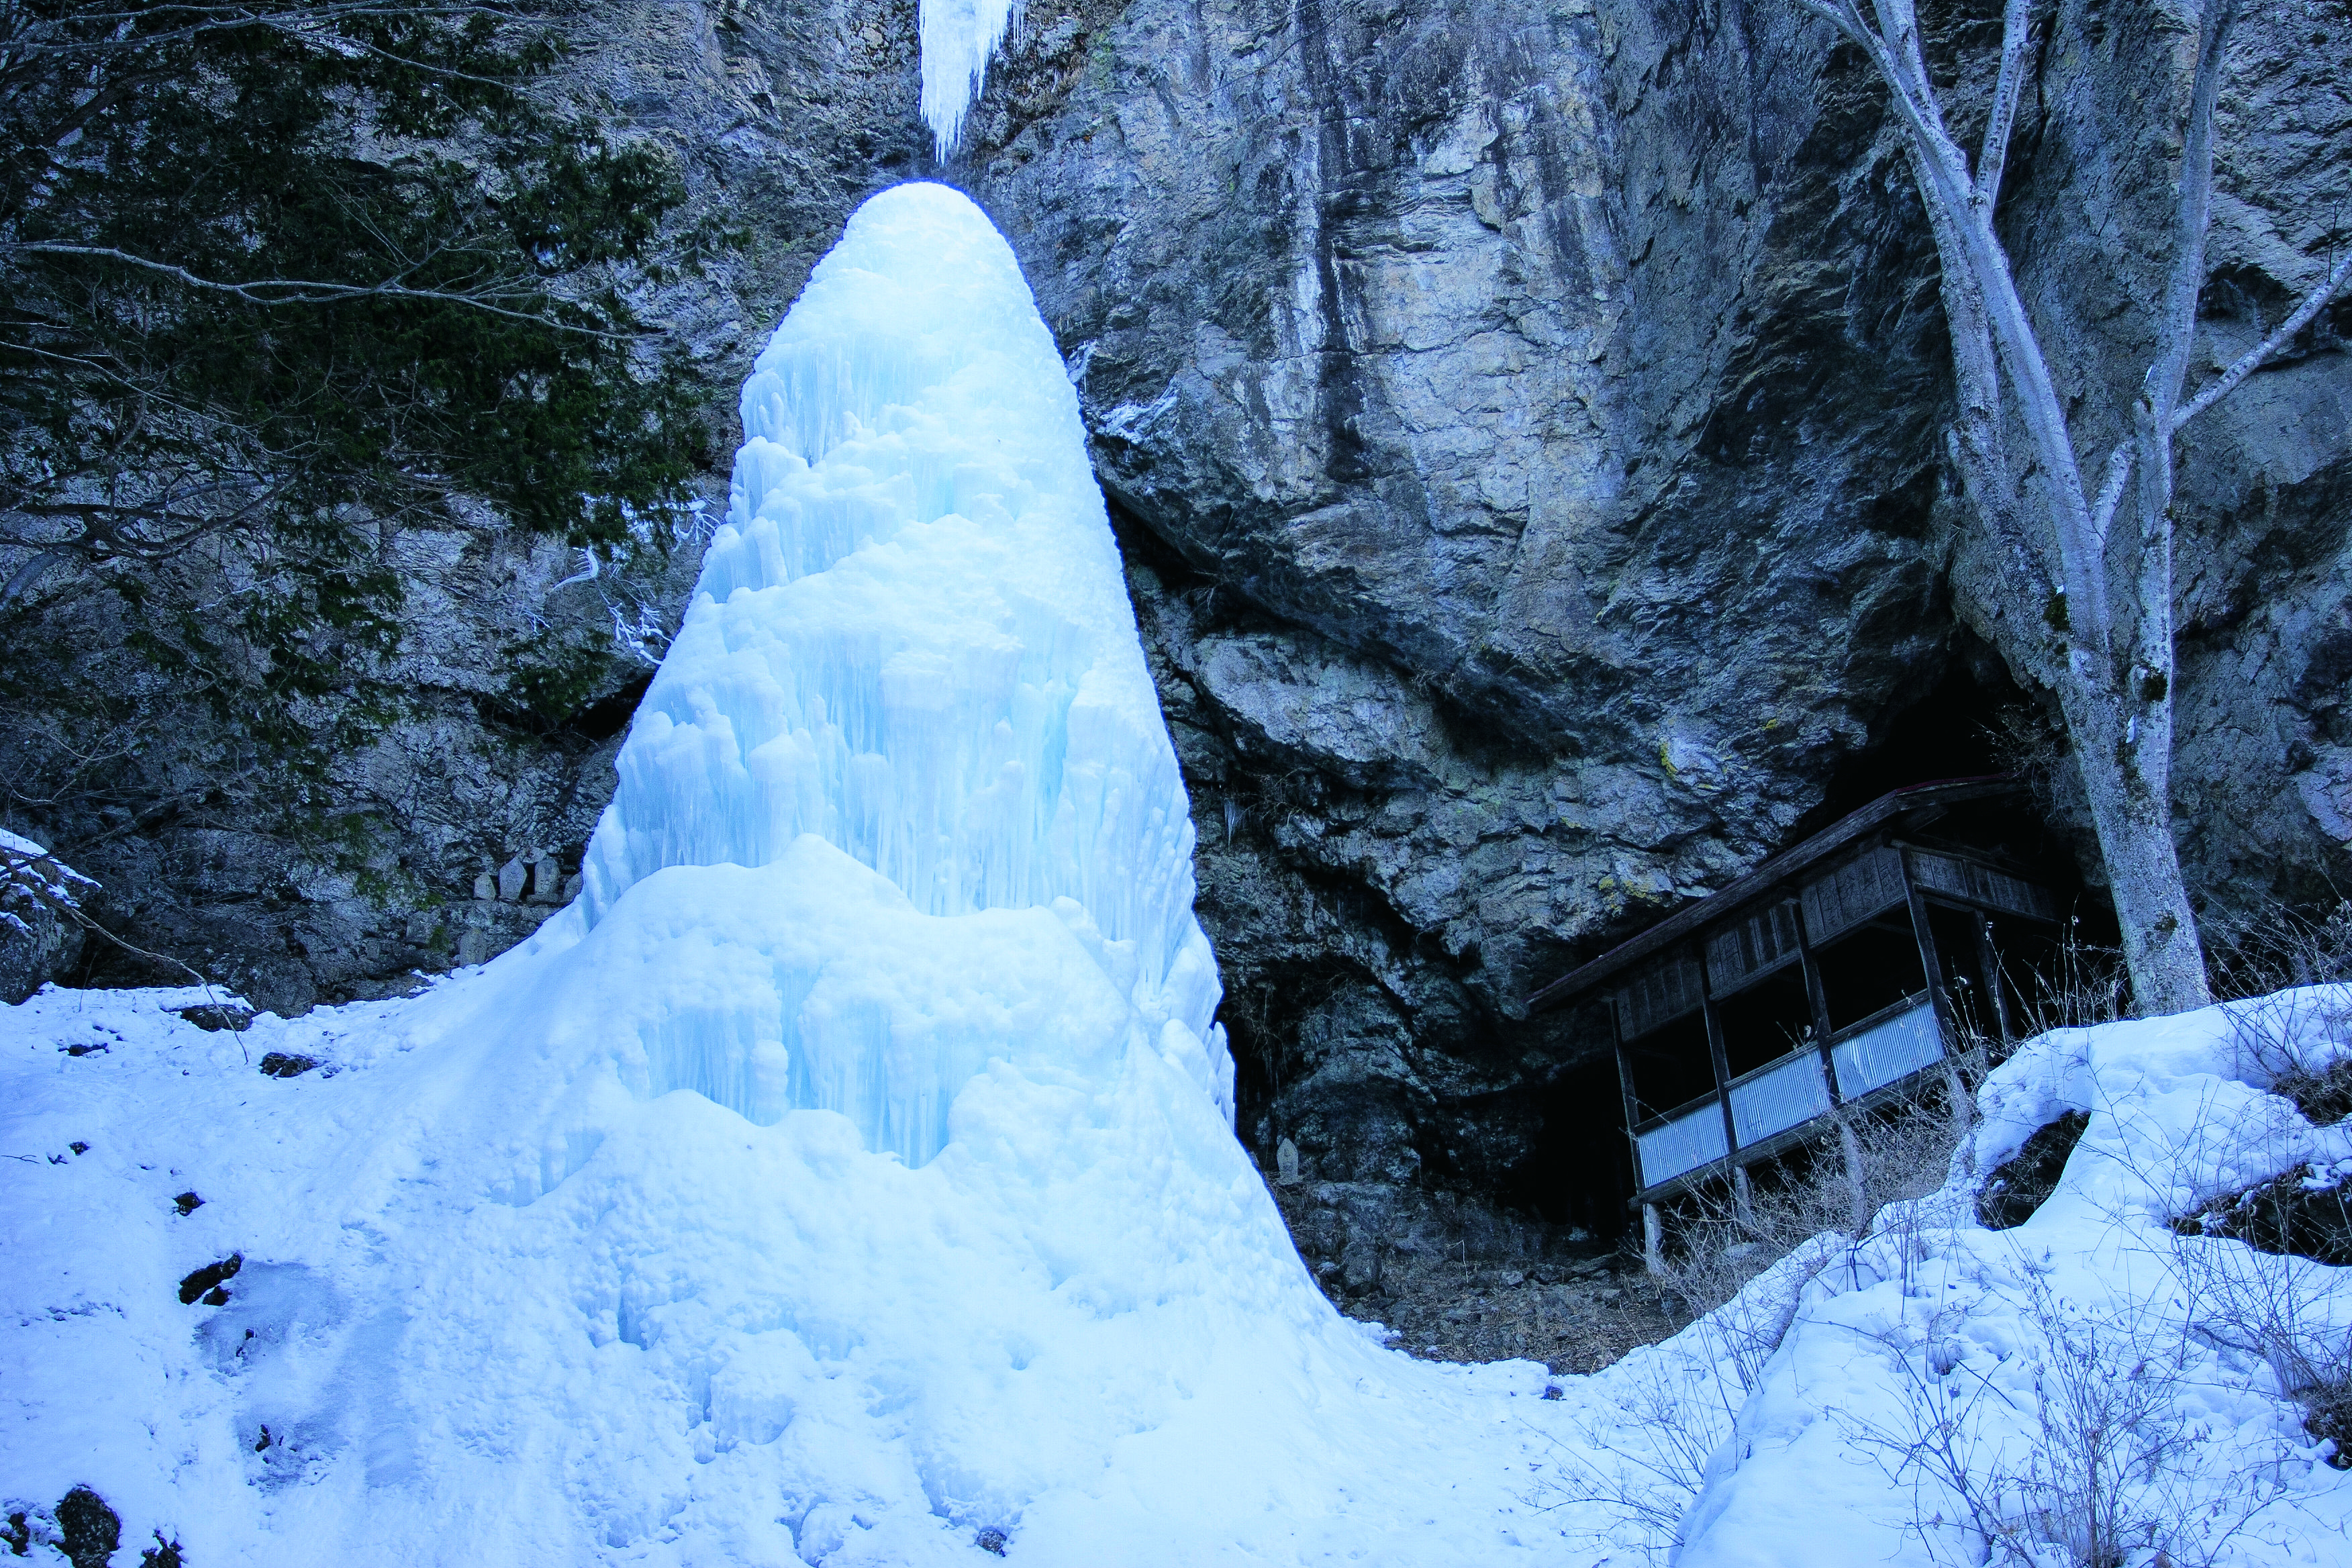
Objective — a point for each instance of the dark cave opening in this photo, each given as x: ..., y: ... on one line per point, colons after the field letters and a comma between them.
x: 1579, y: 1171
x: 1956, y: 729
x: 1255, y: 1042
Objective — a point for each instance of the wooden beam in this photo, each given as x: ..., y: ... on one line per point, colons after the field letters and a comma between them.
x: 1716, y: 1058
x: 1938, y: 795
x: 1820, y: 999
x: 1946, y: 1027
x: 1626, y: 1092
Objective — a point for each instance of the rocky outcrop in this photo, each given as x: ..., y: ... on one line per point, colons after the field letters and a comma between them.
x: 519, y: 666
x: 41, y: 916
x: 1526, y: 416
x: 1522, y: 419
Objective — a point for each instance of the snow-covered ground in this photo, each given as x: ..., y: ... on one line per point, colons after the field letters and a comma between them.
x: 710, y: 1343
x: 1951, y: 1393
x: 847, y: 1176
x: 718, y: 1342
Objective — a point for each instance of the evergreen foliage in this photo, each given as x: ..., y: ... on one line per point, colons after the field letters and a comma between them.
x: 277, y: 283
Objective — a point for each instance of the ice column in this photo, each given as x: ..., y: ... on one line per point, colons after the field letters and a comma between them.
x: 911, y: 638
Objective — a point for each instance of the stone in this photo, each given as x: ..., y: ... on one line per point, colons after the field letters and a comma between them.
x: 1286, y: 1162
x: 512, y: 878
x: 40, y: 937
x: 485, y: 887
x: 89, y: 1531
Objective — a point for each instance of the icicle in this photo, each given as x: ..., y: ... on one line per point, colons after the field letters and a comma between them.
x: 959, y: 36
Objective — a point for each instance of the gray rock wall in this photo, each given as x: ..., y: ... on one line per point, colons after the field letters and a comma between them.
x: 782, y: 119
x: 1526, y: 417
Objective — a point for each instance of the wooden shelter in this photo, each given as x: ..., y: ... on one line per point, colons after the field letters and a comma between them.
x: 1849, y: 970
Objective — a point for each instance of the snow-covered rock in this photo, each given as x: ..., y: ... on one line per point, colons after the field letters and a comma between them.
x: 2093, y: 1349
x: 39, y: 898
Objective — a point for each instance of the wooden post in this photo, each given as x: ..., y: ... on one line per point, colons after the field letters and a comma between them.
x: 1716, y: 1061
x: 1819, y: 998
x: 1626, y: 1092
x: 1743, y: 1197
x: 1988, y: 960
x: 1653, y: 1251
x: 1948, y: 1027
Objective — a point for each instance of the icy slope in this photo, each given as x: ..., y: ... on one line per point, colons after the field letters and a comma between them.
x: 1948, y: 1394
x: 846, y: 1176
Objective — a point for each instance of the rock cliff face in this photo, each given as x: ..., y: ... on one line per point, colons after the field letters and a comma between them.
x: 1527, y: 418
x: 781, y: 121
x: 1523, y: 419
x: 1546, y: 507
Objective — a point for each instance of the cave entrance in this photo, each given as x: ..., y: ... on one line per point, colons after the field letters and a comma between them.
x: 1577, y: 1174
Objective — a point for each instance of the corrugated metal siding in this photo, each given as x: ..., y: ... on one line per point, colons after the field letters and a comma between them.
x: 1774, y: 1099
x: 1691, y: 1140
x: 1892, y: 1048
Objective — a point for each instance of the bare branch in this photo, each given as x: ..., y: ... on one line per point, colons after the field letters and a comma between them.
x: 1841, y: 16
x: 305, y: 292
x: 308, y: 23
x: 2016, y: 36
x: 27, y: 576
x: 2178, y: 326
x: 2111, y: 492
x: 2254, y: 358
x: 1945, y: 183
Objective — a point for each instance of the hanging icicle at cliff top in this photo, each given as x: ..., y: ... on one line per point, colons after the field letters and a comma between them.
x: 959, y: 36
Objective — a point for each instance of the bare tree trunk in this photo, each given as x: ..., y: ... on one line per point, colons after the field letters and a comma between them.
x: 2093, y: 627
x: 2131, y: 812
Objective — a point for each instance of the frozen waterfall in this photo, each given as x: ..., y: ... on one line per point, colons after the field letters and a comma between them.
x: 958, y: 37
x: 846, y: 1178
x: 911, y: 645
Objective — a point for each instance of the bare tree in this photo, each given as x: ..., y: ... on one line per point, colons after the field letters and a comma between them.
x: 2086, y: 576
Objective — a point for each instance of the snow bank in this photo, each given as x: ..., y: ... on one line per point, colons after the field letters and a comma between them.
x: 846, y: 1176
x: 1937, y: 1348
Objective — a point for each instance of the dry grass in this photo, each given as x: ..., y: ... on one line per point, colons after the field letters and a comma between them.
x: 1460, y: 1284
x: 1718, y: 1242
x: 2275, y: 946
